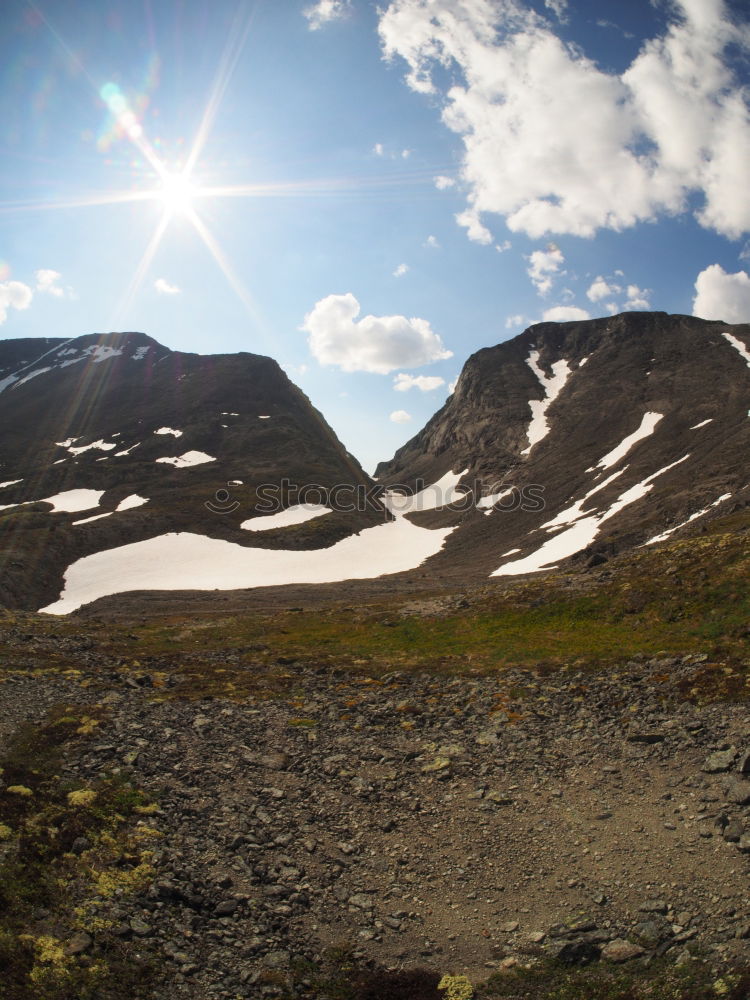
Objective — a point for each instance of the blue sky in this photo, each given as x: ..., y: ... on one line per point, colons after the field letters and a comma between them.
x: 375, y: 191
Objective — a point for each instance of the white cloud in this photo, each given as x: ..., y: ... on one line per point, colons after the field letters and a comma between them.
x: 722, y: 296
x: 542, y: 265
x: 564, y: 314
x: 325, y: 11
x: 600, y: 289
x: 452, y: 385
x: 513, y: 322
x: 502, y: 247
x: 13, y: 295
x: 425, y: 383
x: 432, y: 242
x: 558, y: 7
x: 556, y: 144
x: 47, y: 282
x: 378, y: 149
x: 475, y: 230
x: 377, y: 344
x: 400, y: 270
x: 164, y: 288
x: 400, y: 417
x: 405, y: 154
x: 744, y: 253
x: 442, y: 182
x: 637, y: 298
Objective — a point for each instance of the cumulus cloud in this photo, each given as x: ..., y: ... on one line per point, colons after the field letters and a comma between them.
x: 543, y: 264
x: 512, y: 322
x: 14, y: 295
x: 558, y: 7
x: 47, y: 282
x: 637, y: 298
x: 564, y: 314
x: 556, y: 144
x: 378, y: 149
x: 378, y: 344
x: 163, y: 287
x: 442, y: 182
x: 400, y: 417
x: 600, y: 289
x: 400, y: 270
x: 722, y: 296
x: 432, y: 242
x: 325, y: 11
x: 425, y: 383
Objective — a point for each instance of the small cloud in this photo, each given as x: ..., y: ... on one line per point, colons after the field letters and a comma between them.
x: 470, y: 221
x: 558, y: 7
x: 543, y: 264
x: 502, y: 247
x: 325, y: 11
x: 637, y: 298
x: 378, y: 149
x: 400, y: 417
x: 432, y: 242
x: 378, y: 344
x: 14, y: 295
x: 452, y: 385
x: 600, y: 289
x: 745, y: 252
x: 442, y: 182
x: 47, y: 283
x: 400, y: 270
x: 513, y: 322
x: 163, y: 287
x: 722, y: 296
x: 405, y: 154
x: 425, y: 383
x: 564, y: 314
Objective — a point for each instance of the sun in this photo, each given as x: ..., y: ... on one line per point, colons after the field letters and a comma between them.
x: 176, y: 194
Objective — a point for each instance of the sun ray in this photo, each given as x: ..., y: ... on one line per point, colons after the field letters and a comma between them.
x: 233, y: 49
x: 143, y: 266
x: 87, y: 201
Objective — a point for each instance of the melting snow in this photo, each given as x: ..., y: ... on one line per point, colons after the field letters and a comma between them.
x: 539, y: 428
x: 488, y: 503
x: 70, y: 502
x: 571, y: 514
x: 738, y: 346
x: 126, y: 451
x: 169, y: 430
x: 66, y: 443
x: 99, y: 445
x: 693, y: 517
x: 649, y: 422
x: 8, y: 380
x: 581, y: 533
x: 188, y: 459
x: 141, y: 352
x: 297, y: 514
x: 27, y: 378
x: 102, y: 352
x: 127, y: 504
x: 185, y: 561
x: 439, y: 494
x: 702, y: 424
x: 10, y: 482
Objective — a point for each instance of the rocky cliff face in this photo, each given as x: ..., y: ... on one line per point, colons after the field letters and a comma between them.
x: 627, y: 426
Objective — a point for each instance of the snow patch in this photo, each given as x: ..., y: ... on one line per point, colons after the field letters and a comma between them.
x: 186, y: 561
x: 100, y: 445
x: 702, y: 424
x: 10, y: 482
x: 648, y: 423
x: 31, y: 375
x: 169, y: 430
x: 580, y: 533
x: 539, y: 428
x: 297, y: 514
x: 738, y: 346
x: 693, y: 517
x: 70, y: 502
x: 439, y: 494
x: 190, y: 458
x: 127, y: 451
x: 264, y: 416
x: 141, y: 352
x: 127, y: 504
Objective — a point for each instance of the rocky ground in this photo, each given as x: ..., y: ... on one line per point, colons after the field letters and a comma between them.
x: 462, y: 824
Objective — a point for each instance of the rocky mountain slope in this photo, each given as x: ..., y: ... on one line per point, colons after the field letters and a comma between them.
x: 128, y: 440
x: 581, y: 439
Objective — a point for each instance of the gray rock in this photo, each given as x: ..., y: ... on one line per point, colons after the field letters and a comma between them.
x: 78, y: 944
x: 621, y: 950
x: 653, y: 906
x: 719, y: 761
x: 226, y: 907
x: 139, y: 928
x: 738, y: 791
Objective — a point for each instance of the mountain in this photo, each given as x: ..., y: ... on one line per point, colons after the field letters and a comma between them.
x: 581, y: 439
x: 110, y: 440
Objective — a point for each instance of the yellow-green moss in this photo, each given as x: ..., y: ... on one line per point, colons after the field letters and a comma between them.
x: 456, y: 987
x: 19, y: 790
x: 82, y: 797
